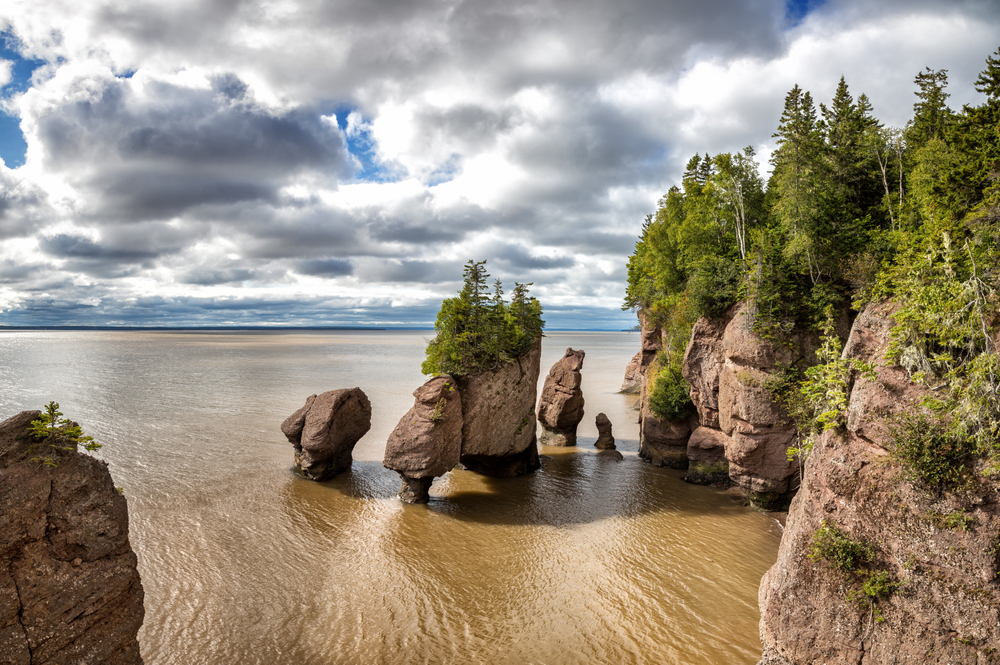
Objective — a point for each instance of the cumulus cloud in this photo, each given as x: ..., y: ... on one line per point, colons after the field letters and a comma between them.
x: 311, y: 161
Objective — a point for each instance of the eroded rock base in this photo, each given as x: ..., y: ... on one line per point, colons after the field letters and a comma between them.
x: 415, y: 490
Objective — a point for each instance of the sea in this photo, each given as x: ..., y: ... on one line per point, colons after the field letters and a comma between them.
x: 587, y: 560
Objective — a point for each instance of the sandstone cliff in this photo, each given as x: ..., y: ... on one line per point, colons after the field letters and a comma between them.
x: 928, y: 589
x: 737, y: 432
x: 69, y: 588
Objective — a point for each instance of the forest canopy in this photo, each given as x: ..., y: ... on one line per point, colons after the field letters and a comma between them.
x: 478, y: 330
x: 853, y: 212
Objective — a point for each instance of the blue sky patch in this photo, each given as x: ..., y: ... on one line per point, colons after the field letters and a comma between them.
x: 361, y: 145
x: 797, y: 10
x: 12, y: 144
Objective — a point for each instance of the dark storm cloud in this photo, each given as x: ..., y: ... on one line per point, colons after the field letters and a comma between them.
x: 77, y: 247
x: 518, y: 257
x: 174, y: 147
x: 324, y: 267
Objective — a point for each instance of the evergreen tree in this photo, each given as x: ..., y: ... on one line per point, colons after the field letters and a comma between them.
x: 477, y: 333
x: 931, y: 114
x: 797, y: 179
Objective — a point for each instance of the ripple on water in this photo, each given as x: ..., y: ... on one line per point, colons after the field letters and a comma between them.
x: 584, y: 561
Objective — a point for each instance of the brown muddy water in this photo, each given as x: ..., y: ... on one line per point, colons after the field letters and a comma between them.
x: 584, y: 561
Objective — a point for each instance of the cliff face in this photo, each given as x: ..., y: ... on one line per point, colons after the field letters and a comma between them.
x: 942, y: 549
x: 498, y: 407
x: 737, y: 433
x: 69, y: 588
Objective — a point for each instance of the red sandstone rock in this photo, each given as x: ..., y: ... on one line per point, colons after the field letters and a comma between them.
x: 706, y: 453
x: 948, y: 611
x: 605, y: 440
x: 703, y: 360
x: 427, y: 442
x: 664, y: 442
x: 498, y: 433
x: 69, y: 587
x: 632, y: 383
x: 325, y: 431
x: 560, y: 407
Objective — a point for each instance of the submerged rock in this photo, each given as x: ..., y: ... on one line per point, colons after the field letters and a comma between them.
x: 611, y: 454
x: 325, y: 431
x: 498, y: 407
x: 69, y: 586
x: 605, y: 441
x: 560, y: 408
x: 632, y: 383
x: 706, y: 453
x: 427, y: 442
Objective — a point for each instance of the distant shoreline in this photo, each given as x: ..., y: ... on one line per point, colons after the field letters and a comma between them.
x: 258, y: 329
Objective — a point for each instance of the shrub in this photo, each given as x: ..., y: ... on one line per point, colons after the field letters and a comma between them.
x: 832, y: 545
x: 670, y: 397
x: 930, y: 454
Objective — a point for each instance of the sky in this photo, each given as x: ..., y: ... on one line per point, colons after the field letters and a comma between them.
x: 336, y: 163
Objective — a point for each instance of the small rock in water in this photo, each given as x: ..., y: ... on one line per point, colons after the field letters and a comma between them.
x: 325, y: 431
x: 415, y: 490
x: 605, y: 441
x: 611, y: 454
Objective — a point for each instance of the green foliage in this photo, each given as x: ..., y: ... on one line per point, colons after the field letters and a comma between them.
x: 670, y: 397
x: 833, y: 546
x: 957, y: 520
x: 51, y: 425
x: 930, y: 454
x: 854, y: 212
x: 477, y: 332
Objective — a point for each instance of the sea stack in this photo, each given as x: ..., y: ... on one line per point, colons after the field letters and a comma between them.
x: 560, y: 408
x: 427, y: 442
x: 498, y: 409
x: 325, y: 431
x: 69, y: 586
x: 605, y: 441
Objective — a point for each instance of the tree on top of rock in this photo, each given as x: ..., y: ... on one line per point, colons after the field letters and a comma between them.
x: 477, y: 333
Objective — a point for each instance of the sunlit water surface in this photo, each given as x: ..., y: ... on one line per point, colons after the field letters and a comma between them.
x: 584, y: 561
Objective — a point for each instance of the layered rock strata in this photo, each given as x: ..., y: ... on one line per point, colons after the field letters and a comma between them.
x: 605, y: 439
x: 70, y: 591
x: 940, y: 547
x: 325, y: 431
x: 427, y: 442
x: 560, y: 407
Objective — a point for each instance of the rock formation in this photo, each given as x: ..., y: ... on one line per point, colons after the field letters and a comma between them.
x: 484, y: 421
x: 662, y: 442
x: 560, y: 408
x: 948, y: 607
x: 611, y: 454
x: 605, y: 440
x: 427, y: 442
x: 69, y: 588
x: 325, y: 431
x: 706, y: 453
x: 498, y: 407
x: 632, y: 383
x: 737, y: 430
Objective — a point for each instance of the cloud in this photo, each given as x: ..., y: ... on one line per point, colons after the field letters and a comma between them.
x: 315, y: 161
